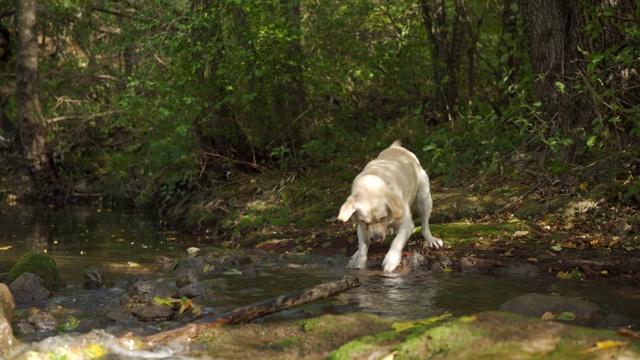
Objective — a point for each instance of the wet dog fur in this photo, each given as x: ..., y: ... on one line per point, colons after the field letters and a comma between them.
x: 380, y: 201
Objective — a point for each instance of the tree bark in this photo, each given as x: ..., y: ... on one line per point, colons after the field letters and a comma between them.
x: 251, y: 312
x: 33, y: 132
x: 447, y: 40
x: 553, y: 55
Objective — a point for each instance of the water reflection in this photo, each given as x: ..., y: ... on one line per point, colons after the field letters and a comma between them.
x: 78, y: 238
x: 400, y: 296
x: 129, y: 244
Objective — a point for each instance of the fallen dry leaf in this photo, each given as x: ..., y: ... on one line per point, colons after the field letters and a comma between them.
x: 606, y: 345
x: 548, y: 316
x: 629, y: 333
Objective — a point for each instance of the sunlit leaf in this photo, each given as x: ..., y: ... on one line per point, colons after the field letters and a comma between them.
x: 548, y: 316
x: 5, y: 248
x: 556, y: 247
x: 532, y: 259
x: 187, y: 304
x: 606, y: 345
x: 604, y: 272
x: 564, y: 275
x: 584, y: 185
x: 402, y: 326
x: 160, y: 301
x: 468, y: 319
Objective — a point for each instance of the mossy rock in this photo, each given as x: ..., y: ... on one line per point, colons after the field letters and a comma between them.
x: 40, y: 264
x: 490, y: 335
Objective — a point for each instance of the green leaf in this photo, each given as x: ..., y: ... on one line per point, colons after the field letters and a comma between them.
x: 566, y: 316
x: 160, y: 301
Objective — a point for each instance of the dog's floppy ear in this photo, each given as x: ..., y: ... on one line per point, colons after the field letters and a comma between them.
x: 396, y: 205
x: 347, y: 209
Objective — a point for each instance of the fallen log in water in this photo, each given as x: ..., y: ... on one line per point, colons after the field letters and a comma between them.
x: 254, y: 311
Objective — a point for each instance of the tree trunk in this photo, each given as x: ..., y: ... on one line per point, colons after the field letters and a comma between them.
x: 33, y: 132
x: 447, y: 42
x: 292, y: 101
x: 553, y: 55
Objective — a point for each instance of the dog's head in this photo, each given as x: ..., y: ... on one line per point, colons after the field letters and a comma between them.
x: 374, y: 212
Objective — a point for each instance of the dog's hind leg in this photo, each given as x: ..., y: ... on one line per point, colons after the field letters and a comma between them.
x: 425, y: 204
x: 359, y: 259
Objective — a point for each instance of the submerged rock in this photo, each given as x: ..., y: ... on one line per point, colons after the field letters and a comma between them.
x: 146, y: 291
x: 94, y: 279
x: 536, y: 305
x: 38, y: 321
x: 518, y: 270
x: 187, y: 276
x: 201, y: 288
x: 153, y: 312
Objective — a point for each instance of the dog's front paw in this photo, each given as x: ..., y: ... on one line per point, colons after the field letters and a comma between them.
x: 357, y: 261
x: 434, y: 242
x: 391, y: 261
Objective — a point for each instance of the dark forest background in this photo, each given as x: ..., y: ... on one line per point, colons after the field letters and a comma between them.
x: 142, y: 102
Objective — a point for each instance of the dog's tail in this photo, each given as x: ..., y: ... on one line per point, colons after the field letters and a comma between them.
x: 396, y: 143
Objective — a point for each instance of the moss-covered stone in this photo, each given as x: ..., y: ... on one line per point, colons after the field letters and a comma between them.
x: 493, y: 335
x: 306, y: 339
x: 40, y: 264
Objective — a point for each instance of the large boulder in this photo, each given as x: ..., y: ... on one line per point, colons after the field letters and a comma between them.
x: 28, y: 291
x: 40, y: 264
x: 7, y: 307
x: 7, y: 302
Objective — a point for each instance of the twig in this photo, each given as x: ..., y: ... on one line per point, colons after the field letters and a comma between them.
x: 519, y: 198
x: 251, y: 312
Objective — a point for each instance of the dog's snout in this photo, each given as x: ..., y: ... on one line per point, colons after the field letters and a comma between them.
x: 377, y: 237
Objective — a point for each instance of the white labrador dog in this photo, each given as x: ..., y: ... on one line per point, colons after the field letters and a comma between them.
x: 380, y: 200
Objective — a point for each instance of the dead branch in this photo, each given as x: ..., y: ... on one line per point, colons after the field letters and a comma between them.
x: 251, y: 312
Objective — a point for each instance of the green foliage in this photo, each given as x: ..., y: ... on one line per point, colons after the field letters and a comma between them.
x: 147, y: 105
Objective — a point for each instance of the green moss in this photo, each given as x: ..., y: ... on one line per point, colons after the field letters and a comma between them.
x: 309, y: 325
x: 40, y: 264
x: 349, y: 350
x: 284, y: 344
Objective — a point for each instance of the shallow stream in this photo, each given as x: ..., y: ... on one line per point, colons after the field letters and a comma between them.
x: 123, y: 244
